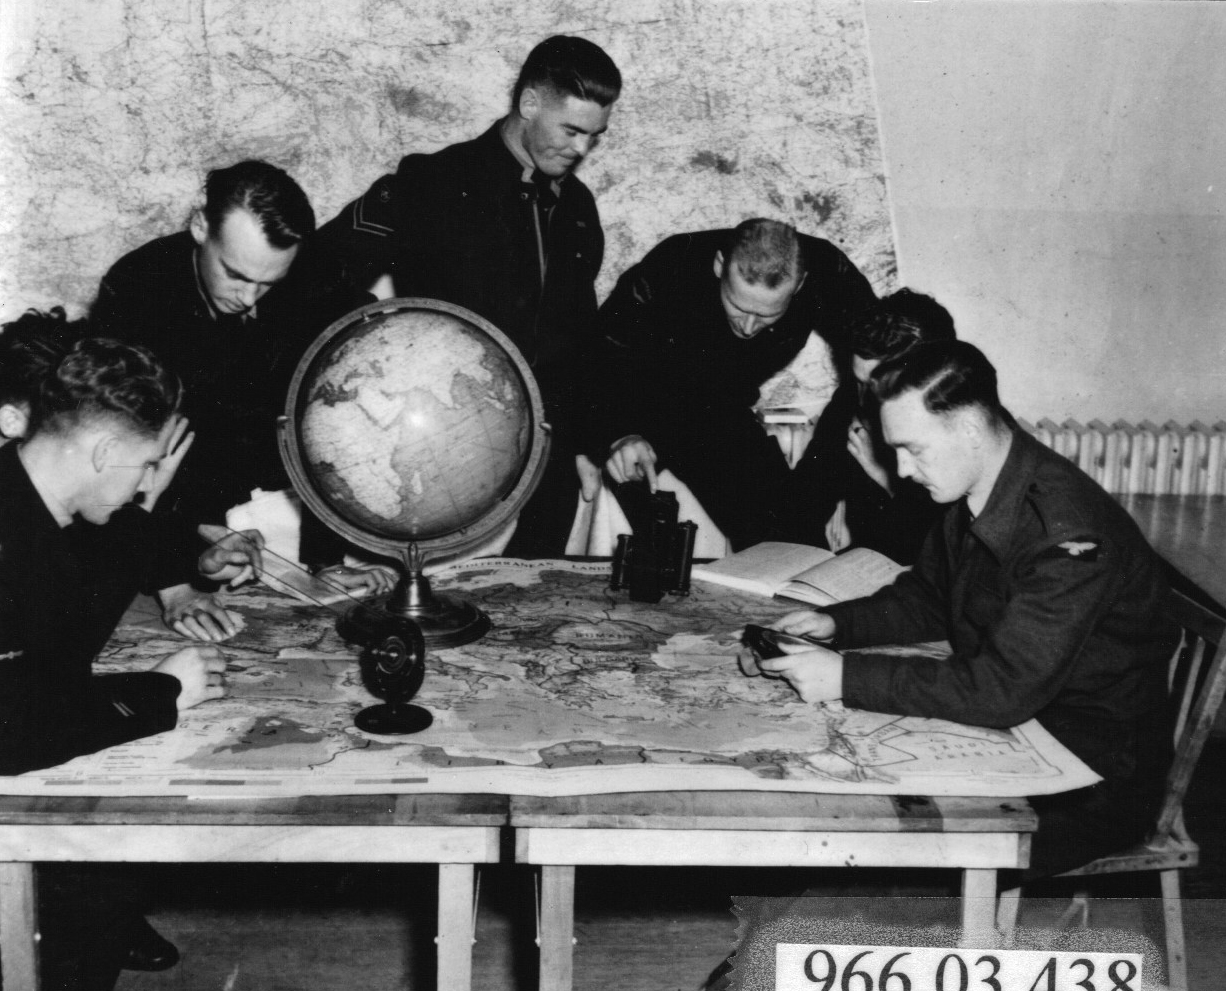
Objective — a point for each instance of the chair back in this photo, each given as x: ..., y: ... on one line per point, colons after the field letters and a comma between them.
x: 1197, y: 684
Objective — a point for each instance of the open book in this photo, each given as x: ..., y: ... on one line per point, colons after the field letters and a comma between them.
x: 806, y: 574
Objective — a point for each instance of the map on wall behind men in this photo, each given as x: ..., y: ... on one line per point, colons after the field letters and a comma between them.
x: 575, y: 690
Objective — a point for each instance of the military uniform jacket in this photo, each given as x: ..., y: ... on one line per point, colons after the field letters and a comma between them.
x: 669, y: 358
x: 1052, y: 602
x: 62, y: 591
x: 460, y: 225
x: 235, y: 370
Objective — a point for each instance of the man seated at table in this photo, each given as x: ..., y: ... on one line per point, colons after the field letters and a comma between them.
x: 847, y: 460
x: 103, y: 429
x: 690, y: 334
x: 224, y: 306
x: 1049, y: 595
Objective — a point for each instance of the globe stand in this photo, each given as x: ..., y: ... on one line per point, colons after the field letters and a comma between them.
x: 444, y: 620
x: 430, y: 496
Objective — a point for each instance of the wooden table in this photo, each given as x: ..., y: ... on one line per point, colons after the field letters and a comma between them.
x: 454, y: 831
x: 979, y: 836
x: 1190, y: 534
x: 768, y: 829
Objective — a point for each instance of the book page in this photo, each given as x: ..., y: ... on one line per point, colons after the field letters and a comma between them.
x: 762, y: 569
x: 851, y: 575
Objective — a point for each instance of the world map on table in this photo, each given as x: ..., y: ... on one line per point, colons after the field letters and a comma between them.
x: 576, y: 690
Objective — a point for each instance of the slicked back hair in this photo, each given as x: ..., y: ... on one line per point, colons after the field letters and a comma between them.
x: 897, y: 322
x: 949, y: 375
x: 104, y: 379
x: 272, y: 197
x: 765, y: 252
x: 570, y: 66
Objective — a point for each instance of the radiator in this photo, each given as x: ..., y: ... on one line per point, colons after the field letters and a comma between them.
x: 1134, y: 459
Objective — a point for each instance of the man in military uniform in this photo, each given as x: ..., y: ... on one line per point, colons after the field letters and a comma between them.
x: 1045, y: 588
x: 501, y: 225
x: 227, y: 308
x: 690, y: 334
x: 102, y: 427
x: 217, y: 303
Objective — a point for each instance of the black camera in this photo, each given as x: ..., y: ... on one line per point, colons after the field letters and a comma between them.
x: 658, y: 556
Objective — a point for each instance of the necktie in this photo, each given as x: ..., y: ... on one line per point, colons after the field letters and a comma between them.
x: 546, y: 198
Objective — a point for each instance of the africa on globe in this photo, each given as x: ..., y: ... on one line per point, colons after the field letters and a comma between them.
x: 414, y: 435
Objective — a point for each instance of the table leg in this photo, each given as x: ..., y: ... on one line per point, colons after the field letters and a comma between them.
x: 455, y: 926
x: 979, y: 907
x: 18, y: 927
x: 557, y: 928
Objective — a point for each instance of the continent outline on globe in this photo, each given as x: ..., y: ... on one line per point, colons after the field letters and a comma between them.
x: 380, y: 436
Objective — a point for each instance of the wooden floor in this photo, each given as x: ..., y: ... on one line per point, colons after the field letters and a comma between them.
x: 243, y: 928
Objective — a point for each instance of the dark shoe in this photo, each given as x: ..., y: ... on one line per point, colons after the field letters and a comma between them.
x: 147, y: 949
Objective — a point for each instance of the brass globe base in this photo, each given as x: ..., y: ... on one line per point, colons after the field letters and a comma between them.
x: 445, y: 620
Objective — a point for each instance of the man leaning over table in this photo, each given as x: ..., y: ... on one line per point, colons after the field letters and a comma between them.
x: 74, y: 549
x: 228, y: 306
x: 1048, y: 594
x: 689, y: 335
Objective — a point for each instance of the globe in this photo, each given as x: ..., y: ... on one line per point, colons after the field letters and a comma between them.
x: 414, y: 429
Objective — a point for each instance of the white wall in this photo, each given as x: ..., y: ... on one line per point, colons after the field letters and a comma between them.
x: 1056, y: 176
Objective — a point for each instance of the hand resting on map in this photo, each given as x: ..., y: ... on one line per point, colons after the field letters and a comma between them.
x: 197, y: 615
x: 360, y: 579
x: 201, y: 673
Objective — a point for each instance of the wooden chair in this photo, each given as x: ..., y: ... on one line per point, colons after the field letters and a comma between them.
x: 1198, y: 682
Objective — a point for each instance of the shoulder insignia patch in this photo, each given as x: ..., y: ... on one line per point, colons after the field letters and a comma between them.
x: 372, y: 210
x: 1082, y: 550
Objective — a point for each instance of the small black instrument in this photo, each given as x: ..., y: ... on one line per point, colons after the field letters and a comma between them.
x: 393, y: 665
x: 658, y: 556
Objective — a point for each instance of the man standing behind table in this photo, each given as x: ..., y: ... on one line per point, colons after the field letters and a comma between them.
x: 690, y: 335
x: 1045, y: 588
x: 225, y: 307
x: 501, y: 225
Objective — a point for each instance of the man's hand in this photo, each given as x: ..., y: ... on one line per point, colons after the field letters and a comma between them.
x: 201, y: 673
x: 197, y: 615
x: 235, y: 558
x: 816, y: 674
x: 806, y: 623
x: 860, y: 447
x: 164, y: 472
x: 632, y: 459
x: 360, y: 579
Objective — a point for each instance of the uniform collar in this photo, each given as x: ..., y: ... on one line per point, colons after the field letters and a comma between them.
x: 15, y: 479
x: 995, y: 525
x: 526, y: 167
